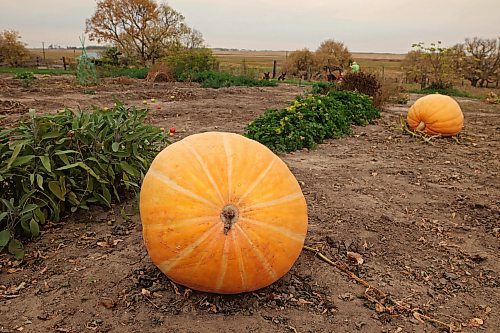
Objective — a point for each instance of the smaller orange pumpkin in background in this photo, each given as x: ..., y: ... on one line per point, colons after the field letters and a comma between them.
x: 436, y: 115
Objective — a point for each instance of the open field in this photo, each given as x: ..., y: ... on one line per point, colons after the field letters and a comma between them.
x: 425, y: 219
x: 254, y: 59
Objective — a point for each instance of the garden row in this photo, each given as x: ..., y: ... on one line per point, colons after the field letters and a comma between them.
x: 54, y: 165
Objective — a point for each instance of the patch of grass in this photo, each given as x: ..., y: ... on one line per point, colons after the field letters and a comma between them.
x: 447, y: 91
x: 48, y: 71
x: 135, y: 73
x: 299, y: 82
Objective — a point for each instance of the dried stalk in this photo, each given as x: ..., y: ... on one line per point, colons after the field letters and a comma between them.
x: 381, y: 296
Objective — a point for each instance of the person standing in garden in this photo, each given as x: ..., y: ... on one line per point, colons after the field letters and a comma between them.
x: 355, y: 67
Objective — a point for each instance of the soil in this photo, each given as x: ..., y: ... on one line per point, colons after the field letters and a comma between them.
x: 424, y: 219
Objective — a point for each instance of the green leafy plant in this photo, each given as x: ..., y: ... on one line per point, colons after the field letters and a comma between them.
x: 323, y: 87
x: 85, y: 70
x: 214, y: 79
x: 134, y: 73
x: 53, y: 165
x: 311, y: 119
x: 26, y: 78
x: 186, y: 63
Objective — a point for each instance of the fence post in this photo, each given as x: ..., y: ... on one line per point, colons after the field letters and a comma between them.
x: 64, y: 62
x: 43, y: 50
x: 274, y: 69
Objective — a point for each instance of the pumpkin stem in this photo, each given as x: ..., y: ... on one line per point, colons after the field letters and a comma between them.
x: 229, y: 216
x: 420, y: 127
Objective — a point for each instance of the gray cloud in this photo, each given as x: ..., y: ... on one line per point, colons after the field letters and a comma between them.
x: 377, y: 26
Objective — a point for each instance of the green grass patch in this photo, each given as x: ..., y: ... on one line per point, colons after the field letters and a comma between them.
x: 311, y: 119
x: 135, y: 73
x: 48, y: 71
x: 447, y: 91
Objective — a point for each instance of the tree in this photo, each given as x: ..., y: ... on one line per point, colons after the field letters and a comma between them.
x: 12, y: 50
x: 482, y: 60
x: 141, y: 29
x: 332, y: 54
x: 299, y: 62
x: 432, y: 63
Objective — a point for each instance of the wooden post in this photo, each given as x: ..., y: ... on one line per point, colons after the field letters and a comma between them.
x: 43, y: 50
x: 274, y: 69
x: 64, y: 62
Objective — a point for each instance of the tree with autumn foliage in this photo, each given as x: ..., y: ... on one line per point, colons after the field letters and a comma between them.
x: 12, y: 49
x: 432, y: 64
x: 332, y: 54
x: 141, y: 29
x: 329, y: 56
x: 481, y: 64
x: 299, y: 62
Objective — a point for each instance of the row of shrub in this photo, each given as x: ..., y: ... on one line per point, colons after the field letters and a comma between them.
x: 53, y: 165
x: 311, y: 119
x: 214, y: 79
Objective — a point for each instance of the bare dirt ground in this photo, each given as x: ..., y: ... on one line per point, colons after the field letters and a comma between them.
x: 424, y: 218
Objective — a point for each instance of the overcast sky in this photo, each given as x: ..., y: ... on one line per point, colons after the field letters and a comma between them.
x: 363, y: 25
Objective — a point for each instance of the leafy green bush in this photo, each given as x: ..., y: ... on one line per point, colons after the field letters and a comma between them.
x: 213, y: 79
x: 447, y: 91
x: 85, y: 70
x: 185, y: 64
x: 359, y: 108
x: 135, y: 73
x: 323, y: 87
x: 52, y: 165
x: 440, y: 86
x: 309, y: 120
x: 26, y: 78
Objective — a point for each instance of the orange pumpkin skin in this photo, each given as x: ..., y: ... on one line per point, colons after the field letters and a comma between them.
x: 221, y: 213
x: 436, y: 114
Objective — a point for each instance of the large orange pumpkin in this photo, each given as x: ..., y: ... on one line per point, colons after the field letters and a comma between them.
x: 436, y: 114
x: 221, y: 213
